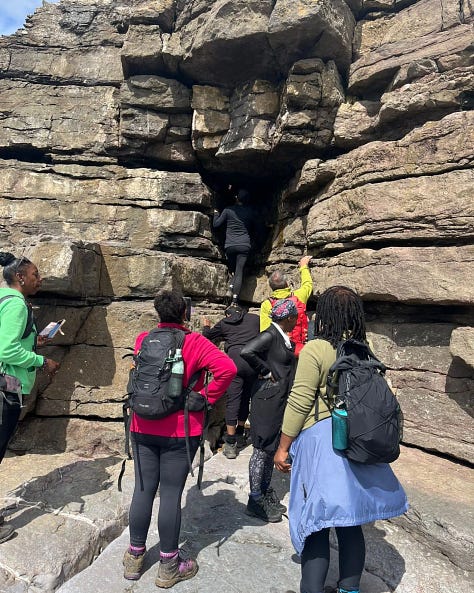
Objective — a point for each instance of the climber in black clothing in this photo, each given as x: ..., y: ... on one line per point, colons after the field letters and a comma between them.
x: 237, y: 329
x: 239, y: 220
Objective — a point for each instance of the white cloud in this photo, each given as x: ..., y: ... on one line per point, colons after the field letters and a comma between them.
x: 14, y: 12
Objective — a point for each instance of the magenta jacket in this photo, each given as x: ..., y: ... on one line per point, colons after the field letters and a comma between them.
x: 198, y: 353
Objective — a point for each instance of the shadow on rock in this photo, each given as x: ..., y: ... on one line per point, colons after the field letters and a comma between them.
x: 382, y: 558
x: 66, y: 490
x: 212, y: 515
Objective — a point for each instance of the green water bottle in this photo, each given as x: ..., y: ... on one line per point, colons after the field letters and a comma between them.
x: 175, y: 386
x: 339, y: 426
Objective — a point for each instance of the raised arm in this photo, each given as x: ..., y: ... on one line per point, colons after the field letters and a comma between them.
x: 219, y: 219
x: 306, y: 288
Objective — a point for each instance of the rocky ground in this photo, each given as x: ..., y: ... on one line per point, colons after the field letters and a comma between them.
x: 70, y: 530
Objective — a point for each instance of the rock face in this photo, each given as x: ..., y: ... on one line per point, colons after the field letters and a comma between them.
x: 124, y: 122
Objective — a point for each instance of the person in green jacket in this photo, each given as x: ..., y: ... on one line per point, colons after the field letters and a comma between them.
x: 18, y: 357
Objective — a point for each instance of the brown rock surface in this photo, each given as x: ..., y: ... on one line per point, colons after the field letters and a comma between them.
x: 462, y: 344
x: 123, y: 123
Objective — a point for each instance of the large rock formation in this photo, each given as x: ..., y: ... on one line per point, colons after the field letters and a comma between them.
x: 351, y: 123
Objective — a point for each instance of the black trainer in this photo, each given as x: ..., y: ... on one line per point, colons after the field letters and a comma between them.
x: 274, y: 501
x: 241, y: 441
x: 259, y: 507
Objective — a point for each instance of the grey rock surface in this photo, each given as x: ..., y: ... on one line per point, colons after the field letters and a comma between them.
x: 241, y: 554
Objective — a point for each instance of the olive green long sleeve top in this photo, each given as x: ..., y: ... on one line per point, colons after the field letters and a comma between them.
x: 314, y: 362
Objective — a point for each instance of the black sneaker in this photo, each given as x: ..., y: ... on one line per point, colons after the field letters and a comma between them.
x: 229, y: 450
x: 259, y: 507
x: 241, y: 441
x: 273, y: 500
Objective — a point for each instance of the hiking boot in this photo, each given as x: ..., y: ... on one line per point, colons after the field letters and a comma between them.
x: 133, y: 566
x: 6, y: 532
x: 229, y: 450
x: 274, y: 501
x: 259, y: 507
x: 170, y: 573
x: 241, y: 441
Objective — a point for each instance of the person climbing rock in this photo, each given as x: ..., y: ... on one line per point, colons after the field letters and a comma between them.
x: 239, y: 221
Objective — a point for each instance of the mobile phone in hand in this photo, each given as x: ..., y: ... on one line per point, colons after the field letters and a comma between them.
x: 52, y: 329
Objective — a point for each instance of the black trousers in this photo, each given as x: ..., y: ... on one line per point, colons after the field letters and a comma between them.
x: 237, y: 258
x: 159, y: 461
x: 239, y: 391
x: 315, y: 559
x: 9, y: 416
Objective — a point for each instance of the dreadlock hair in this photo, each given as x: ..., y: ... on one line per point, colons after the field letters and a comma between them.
x: 340, y: 315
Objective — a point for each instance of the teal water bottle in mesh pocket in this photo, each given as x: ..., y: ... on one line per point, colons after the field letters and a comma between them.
x: 339, y: 426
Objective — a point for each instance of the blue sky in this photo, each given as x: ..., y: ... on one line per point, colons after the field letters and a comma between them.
x: 13, y: 13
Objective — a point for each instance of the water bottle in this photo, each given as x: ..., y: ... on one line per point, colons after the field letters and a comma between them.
x: 339, y: 426
x: 175, y: 384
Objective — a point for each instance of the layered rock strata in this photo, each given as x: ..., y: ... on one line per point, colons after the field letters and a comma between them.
x: 123, y: 122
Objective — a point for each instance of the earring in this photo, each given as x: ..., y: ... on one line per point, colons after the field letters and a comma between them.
x: 22, y: 283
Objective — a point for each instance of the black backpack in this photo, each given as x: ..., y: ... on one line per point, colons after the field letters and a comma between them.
x: 149, y: 380
x: 374, y: 417
x: 148, y: 389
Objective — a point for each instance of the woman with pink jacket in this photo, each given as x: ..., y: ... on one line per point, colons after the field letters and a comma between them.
x: 159, y: 448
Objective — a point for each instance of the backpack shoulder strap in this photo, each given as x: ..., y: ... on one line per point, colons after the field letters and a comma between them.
x: 30, y: 320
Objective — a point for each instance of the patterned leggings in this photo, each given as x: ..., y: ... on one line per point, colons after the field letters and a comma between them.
x: 260, y: 471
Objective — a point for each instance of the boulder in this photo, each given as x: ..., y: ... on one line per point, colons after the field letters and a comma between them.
x: 70, y: 268
x: 46, y: 501
x: 421, y: 18
x: 431, y: 275
x: 375, y: 71
x: 53, y: 119
x: 279, y: 32
x: 462, y: 344
x: 434, y: 148
x: 426, y: 208
x: 140, y: 274
x: 164, y: 95
x: 435, y: 392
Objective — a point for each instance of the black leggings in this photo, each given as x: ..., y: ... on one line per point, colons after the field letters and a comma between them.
x: 159, y: 461
x: 9, y: 416
x: 237, y: 257
x: 315, y: 559
x: 238, y: 393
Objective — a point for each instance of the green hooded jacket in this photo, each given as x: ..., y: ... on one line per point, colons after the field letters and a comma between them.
x: 17, y: 356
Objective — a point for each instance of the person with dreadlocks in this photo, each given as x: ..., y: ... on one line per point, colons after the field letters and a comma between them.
x: 326, y: 489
